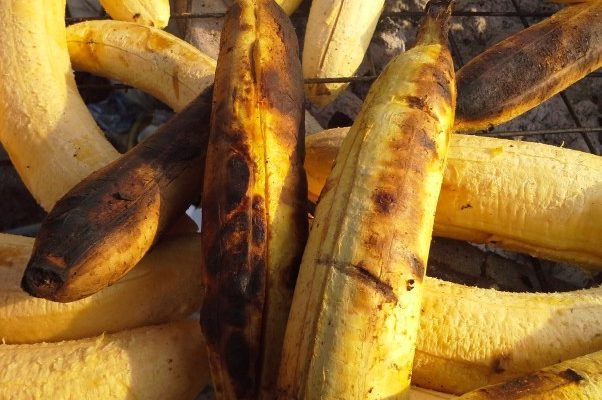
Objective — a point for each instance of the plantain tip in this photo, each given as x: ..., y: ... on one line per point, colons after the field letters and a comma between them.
x: 435, y: 23
x: 41, y: 281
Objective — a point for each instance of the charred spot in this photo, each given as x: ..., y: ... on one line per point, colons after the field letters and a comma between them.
x: 213, y: 260
x: 236, y: 254
x: 418, y: 268
x: 257, y: 279
x: 252, y: 69
x: 416, y: 102
x: 136, y: 16
x: 210, y: 323
x: 122, y: 196
x: 237, y: 354
x: 571, y: 375
x: 514, y: 388
x: 384, y: 201
x: 279, y: 93
x: 238, y: 174
x: 410, y: 284
x: 238, y: 223
x: 259, y: 222
x: 371, y: 241
x: 369, y: 278
x: 441, y: 79
x: 466, y: 206
x: 500, y: 363
x: 427, y: 142
x: 235, y: 314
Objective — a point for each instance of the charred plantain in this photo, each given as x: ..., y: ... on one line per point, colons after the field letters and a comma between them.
x: 103, y: 226
x: 254, y: 219
x: 528, y: 68
x: 353, y: 323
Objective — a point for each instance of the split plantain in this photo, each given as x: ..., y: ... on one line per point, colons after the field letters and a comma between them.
x: 100, y: 229
x: 522, y: 196
x: 354, y: 320
x: 254, y: 218
x: 529, y: 67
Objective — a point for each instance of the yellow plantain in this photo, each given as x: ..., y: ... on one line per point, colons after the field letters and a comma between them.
x: 144, y: 12
x: 336, y: 39
x: 578, y: 379
x: 158, y: 362
x: 529, y: 67
x: 165, y: 286
x: 254, y: 218
x: 522, y: 196
x: 471, y: 337
x: 45, y: 127
x: 147, y: 58
x: 352, y: 329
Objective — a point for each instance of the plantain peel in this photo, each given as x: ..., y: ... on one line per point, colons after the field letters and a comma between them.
x: 254, y: 218
x: 524, y: 70
x: 103, y: 226
x: 353, y: 324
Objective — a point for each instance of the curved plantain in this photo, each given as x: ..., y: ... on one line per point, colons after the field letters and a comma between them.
x: 153, y: 13
x: 45, y: 127
x: 577, y: 379
x: 336, y: 39
x: 471, y: 337
x: 352, y: 328
x: 158, y: 362
x: 103, y: 226
x: 544, y: 200
x: 254, y: 218
x: 548, y: 57
x: 147, y: 58
x: 164, y: 286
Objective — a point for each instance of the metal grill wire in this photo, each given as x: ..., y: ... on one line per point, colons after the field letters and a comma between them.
x: 585, y: 132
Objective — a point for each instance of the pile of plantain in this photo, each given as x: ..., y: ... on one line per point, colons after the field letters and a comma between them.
x: 102, y: 305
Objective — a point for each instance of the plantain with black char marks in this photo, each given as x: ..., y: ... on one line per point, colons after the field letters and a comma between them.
x: 254, y: 199
x: 353, y: 323
x: 102, y: 227
x: 529, y: 67
x: 576, y: 379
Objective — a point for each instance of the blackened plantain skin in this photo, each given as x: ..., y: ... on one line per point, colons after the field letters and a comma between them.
x: 527, y: 68
x: 254, y: 216
x: 103, y: 226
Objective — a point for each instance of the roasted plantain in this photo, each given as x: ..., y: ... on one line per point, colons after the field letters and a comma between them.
x: 254, y: 197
